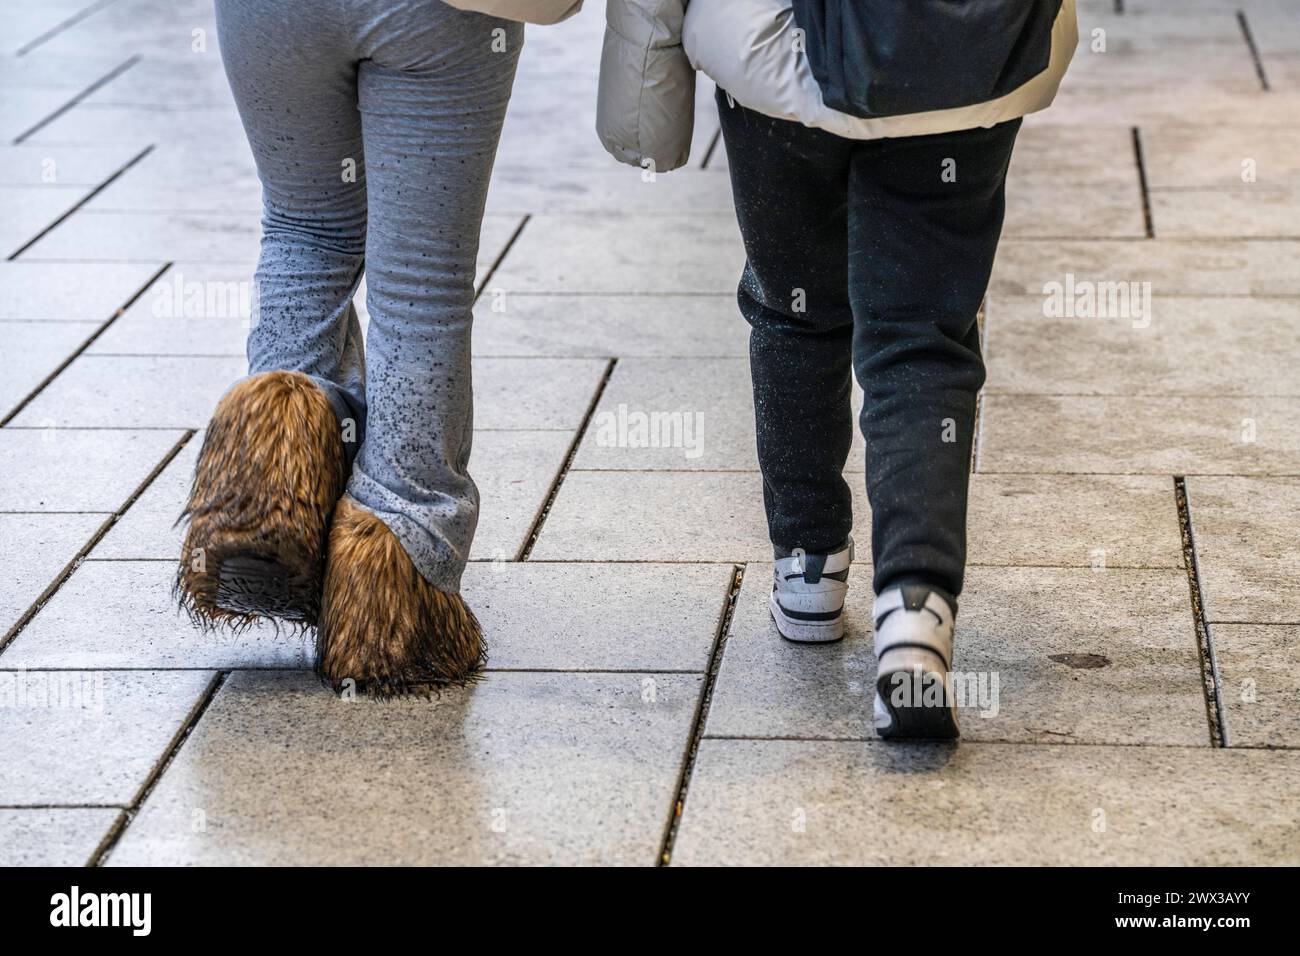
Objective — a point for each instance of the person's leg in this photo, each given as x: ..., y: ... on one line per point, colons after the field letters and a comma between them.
x: 790, y: 185
x: 274, y: 456
x: 924, y: 222
x: 434, y: 84
x: 295, y: 85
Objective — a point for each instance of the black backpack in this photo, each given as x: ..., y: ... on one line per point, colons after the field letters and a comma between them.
x: 876, y: 58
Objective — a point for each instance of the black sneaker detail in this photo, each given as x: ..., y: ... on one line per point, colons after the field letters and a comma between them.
x: 809, y: 615
x: 914, y: 596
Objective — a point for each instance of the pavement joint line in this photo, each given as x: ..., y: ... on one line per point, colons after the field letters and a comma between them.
x: 81, y: 202
x: 102, y: 81
x: 1140, y: 160
x: 80, y: 350
x: 713, y: 145
x: 701, y: 716
x: 526, y: 549
x: 60, y: 27
x: 1211, y: 678
x: 61, y: 578
x: 483, y: 562
x: 505, y: 250
x: 169, y: 754
x: 1254, y: 50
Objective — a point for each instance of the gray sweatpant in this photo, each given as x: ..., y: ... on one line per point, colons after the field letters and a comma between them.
x: 374, y: 125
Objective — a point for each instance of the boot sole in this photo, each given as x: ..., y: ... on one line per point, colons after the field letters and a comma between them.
x: 247, y: 584
x: 915, y: 721
x: 803, y: 632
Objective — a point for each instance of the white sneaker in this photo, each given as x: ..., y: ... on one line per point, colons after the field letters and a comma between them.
x: 808, y: 595
x: 914, y: 694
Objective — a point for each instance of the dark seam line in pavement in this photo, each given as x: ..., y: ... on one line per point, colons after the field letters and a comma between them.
x: 1140, y: 159
x: 544, y: 512
x: 81, y: 202
x: 60, y: 27
x: 44, y: 383
x: 701, y: 715
x: 95, y: 538
x: 978, y: 427
x: 106, y: 78
x: 708, y: 150
x: 510, y: 243
x: 1254, y: 50
x: 178, y: 741
x: 1210, y: 677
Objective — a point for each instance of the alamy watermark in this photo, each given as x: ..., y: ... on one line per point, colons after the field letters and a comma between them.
x: 1086, y: 299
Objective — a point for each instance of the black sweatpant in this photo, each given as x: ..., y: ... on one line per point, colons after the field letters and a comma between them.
x: 870, y: 255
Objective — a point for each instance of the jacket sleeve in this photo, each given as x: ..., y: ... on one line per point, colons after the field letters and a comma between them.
x: 645, y: 109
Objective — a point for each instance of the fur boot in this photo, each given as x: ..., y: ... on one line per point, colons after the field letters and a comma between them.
x: 382, y: 624
x: 270, y: 472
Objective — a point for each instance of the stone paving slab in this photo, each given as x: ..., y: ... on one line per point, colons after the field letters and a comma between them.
x: 32, y: 351
x: 147, y: 236
x: 1260, y: 689
x: 1257, y: 212
x: 191, y: 309
x: 1054, y: 656
x: 44, y: 167
x: 1095, y: 212
x: 121, y: 614
x: 147, y: 530
x: 89, y: 737
x: 1122, y: 435
x: 57, y: 469
x: 29, y: 209
x: 608, y: 325
x: 549, y: 189
x: 116, y: 392
x: 680, y: 413
x: 1248, y: 552
x: 34, y: 549
x: 1173, y: 267
x: 521, y: 768
x: 872, y: 804
x: 63, y: 836
x: 216, y: 176
x: 1195, y: 155
x: 1076, y: 521
x: 622, y: 254
x: 140, y: 126
x: 514, y: 471
x: 1181, y: 345
x: 69, y: 292
x: 519, y: 393
x: 595, y: 614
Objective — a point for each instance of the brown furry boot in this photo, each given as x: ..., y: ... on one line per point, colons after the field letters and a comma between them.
x: 270, y: 472
x: 382, y: 624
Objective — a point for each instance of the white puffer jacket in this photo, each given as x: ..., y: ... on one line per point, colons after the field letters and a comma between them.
x: 645, y: 111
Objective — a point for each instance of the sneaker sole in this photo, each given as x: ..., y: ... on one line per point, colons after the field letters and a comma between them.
x: 912, y: 722
x: 805, y: 632
x: 253, y: 585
